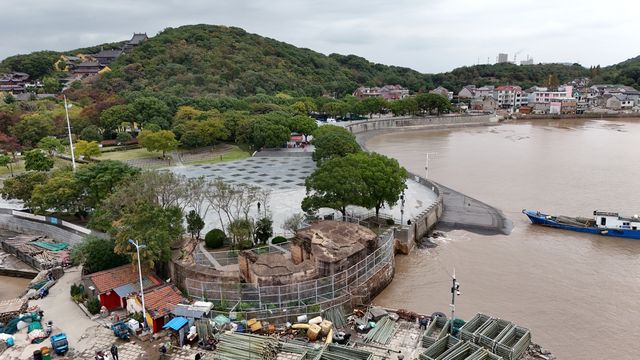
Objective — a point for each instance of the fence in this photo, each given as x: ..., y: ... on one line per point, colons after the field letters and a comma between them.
x: 240, y: 296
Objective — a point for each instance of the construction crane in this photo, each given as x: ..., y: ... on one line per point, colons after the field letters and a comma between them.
x: 515, y: 56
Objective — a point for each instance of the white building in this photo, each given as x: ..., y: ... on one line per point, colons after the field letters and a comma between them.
x: 508, y: 96
x: 543, y: 95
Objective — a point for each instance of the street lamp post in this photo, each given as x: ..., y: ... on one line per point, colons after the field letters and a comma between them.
x: 455, y: 291
x: 402, y: 209
x: 426, y: 165
x: 144, y: 310
x: 66, y: 111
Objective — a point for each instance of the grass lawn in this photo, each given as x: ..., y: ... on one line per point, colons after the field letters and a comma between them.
x: 128, y: 155
x: 233, y: 152
x: 18, y: 167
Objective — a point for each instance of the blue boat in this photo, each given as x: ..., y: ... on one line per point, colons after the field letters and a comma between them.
x: 603, y: 223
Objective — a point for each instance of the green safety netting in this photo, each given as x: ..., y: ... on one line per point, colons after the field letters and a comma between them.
x: 50, y: 246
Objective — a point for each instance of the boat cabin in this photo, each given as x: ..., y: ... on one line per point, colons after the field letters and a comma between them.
x: 611, y: 220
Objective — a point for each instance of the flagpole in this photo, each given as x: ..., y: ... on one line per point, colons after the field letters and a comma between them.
x: 66, y: 111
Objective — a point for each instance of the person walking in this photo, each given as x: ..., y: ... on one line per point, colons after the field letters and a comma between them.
x: 114, y: 352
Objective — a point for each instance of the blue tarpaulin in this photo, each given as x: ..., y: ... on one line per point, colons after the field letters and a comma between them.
x: 176, y: 323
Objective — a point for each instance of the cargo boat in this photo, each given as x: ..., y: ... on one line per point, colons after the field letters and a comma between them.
x: 603, y: 223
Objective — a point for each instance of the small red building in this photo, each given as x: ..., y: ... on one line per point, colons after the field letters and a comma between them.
x: 159, y: 303
x: 114, y: 285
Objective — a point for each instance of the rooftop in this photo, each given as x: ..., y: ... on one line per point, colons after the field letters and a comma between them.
x: 162, y: 300
x: 331, y: 240
x: 107, y: 280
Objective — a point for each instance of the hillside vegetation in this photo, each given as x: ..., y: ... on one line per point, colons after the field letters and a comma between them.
x: 199, y: 60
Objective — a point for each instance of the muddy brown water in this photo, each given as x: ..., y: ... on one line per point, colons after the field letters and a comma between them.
x: 578, y: 293
x: 12, y: 287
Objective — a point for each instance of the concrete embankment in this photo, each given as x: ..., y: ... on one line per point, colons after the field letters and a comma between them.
x: 460, y: 210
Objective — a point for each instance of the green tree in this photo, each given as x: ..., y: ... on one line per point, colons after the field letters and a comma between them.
x: 9, y: 99
x: 31, y: 128
x: 268, y: 135
x: 91, y: 133
x: 151, y: 110
x: 37, y: 160
x: 61, y: 193
x: 51, y: 85
x: 195, y: 224
x: 374, y: 105
x: 163, y: 140
x: 97, y: 254
x: 50, y: 144
x: 123, y: 137
x: 240, y: 231
x: 21, y: 186
x: 384, y: 178
x: 154, y: 226
x: 87, y: 149
x: 363, y: 179
x: 203, y: 133
x: 335, y: 184
x: 112, y: 118
x: 99, y: 180
x: 302, y: 124
x: 6, y: 160
x: 264, y: 230
x: 331, y: 141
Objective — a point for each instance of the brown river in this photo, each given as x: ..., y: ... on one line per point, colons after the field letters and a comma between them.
x: 578, y: 293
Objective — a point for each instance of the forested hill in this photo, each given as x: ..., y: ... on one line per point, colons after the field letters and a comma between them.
x: 197, y: 60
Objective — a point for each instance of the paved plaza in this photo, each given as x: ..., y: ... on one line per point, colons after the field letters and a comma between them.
x: 284, y: 175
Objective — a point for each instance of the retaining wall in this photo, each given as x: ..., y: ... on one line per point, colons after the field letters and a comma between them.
x: 419, y: 121
x: 54, y: 228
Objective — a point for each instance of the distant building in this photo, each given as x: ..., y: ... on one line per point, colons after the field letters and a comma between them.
x: 483, y: 91
x: 15, y: 82
x: 509, y: 96
x: 529, y: 61
x: 442, y: 91
x: 135, y: 41
x: 543, y: 95
x: 467, y: 92
x: 486, y: 104
x: 105, y: 57
x: 503, y: 58
x: 89, y: 68
x: 388, y: 92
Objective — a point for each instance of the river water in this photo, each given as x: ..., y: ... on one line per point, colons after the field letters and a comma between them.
x: 578, y: 293
x: 12, y: 287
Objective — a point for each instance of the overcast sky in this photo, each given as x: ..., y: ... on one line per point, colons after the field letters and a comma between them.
x: 427, y: 35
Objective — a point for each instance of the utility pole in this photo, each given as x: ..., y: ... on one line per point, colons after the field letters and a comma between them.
x: 426, y: 166
x: 455, y: 291
x: 66, y: 111
x: 144, y: 309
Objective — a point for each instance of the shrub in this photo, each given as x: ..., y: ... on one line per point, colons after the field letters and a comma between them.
x: 390, y: 222
x: 246, y: 244
x: 123, y: 137
x: 93, y: 305
x: 279, y: 240
x: 77, y: 293
x: 215, y: 239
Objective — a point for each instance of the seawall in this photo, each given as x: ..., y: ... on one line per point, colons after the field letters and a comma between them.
x: 451, y: 209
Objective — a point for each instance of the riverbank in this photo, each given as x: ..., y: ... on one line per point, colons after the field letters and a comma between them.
x: 458, y: 211
x: 551, y: 165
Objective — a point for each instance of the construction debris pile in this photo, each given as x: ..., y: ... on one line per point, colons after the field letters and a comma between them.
x: 40, y: 252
